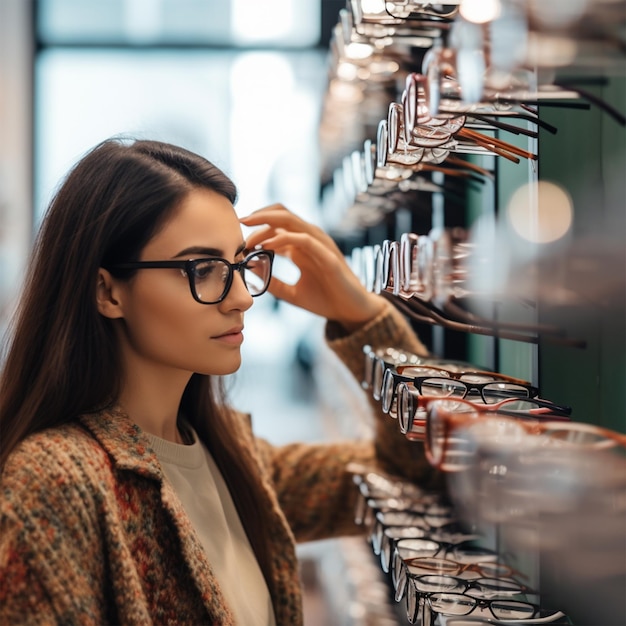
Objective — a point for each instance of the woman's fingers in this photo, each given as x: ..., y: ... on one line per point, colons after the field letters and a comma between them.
x: 326, y: 286
x: 258, y: 237
x: 277, y: 217
x: 301, y: 246
x: 281, y: 290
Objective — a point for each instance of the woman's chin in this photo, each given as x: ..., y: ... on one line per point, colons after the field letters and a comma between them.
x: 223, y: 368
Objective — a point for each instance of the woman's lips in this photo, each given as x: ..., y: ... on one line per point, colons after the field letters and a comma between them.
x: 233, y: 336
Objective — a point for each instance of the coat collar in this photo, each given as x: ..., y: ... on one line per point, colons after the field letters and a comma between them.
x: 130, y: 449
x: 124, y: 441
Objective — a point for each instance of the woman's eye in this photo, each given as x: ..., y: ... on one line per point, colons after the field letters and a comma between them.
x: 204, y: 270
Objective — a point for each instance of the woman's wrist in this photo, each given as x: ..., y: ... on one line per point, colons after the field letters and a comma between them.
x: 372, y: 308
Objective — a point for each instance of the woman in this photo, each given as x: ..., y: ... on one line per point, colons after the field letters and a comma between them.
x: 130, y: 492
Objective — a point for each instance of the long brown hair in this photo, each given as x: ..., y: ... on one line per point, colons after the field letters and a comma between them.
x: 61, y: 356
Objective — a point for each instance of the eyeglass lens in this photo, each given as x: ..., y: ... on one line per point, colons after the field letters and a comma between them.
x: 491, y: 392
x: 213, y: 277
x: 460, y: 604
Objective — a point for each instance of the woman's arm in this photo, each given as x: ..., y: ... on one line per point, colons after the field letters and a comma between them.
x: 394, y: 453
x: 313, y: 484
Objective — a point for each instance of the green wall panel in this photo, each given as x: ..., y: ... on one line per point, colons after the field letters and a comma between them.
x: 587, y: 157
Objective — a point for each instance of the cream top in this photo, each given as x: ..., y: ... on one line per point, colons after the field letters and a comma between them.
x: 205, y: 497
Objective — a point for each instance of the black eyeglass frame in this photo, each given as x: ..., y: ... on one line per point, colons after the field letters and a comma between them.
x: 189, y: 267
x: 481, y: 603
x: 514, y: 587
x: 451, y: 377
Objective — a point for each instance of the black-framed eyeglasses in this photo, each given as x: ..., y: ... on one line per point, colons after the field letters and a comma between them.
x: 489, y: 388
x: 411, y: 551
x: 210, y: 279
x: 483, y: 587
x: 421, y: 587
x: 490, y: 392
x: 461, y: 604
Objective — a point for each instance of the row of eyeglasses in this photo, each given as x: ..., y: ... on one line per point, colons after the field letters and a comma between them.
x: 456, y: 409
x: 412, y: 134
x: 438, y: 566
x: 469, y: 83
x: 429, y: 267
x: 428, y: 275
x: 511, y: 460
x: 478, y: 52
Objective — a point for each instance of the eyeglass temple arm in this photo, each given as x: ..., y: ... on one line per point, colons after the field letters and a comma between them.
x: 487, y: 119
x: 605, y: 106
x: 483, y: 122
x: 448, y: 171
x: 451, y: 160
x: 514, y: 115
x: 552, y: 406
x: 618, y: 116
x: 416, y: 310
x: 461, y: 313
x: 478, y: 140
x: 466, y: 317
x: 503, y: 146
x: 419, y: 310
x: 531, y: 116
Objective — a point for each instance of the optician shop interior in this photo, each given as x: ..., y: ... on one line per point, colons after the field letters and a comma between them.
x: 468, y: 158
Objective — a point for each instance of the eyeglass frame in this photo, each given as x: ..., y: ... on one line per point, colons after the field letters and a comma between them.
x: 552, y: 411
x: 443, y: 549
x: 418, y: 381
x: 409, y: 520
x: 464, y: 620
x: 468, y: 583
x: 457, y: 374
x: 482, y: 603
x: 456, y: 567
x: 188, y: 267
x: 402, y: 571
x: 534, y: 424
x: 377, y: 362
x: 451, y: 532
x: 402, y: 568
x: 415, y: 597
x: 389, y: 403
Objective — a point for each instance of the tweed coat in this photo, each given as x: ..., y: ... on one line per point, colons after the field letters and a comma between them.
x: 91, y: 531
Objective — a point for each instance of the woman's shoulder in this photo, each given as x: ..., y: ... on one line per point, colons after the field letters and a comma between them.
x: 54, y: 458
x: 52, y: 491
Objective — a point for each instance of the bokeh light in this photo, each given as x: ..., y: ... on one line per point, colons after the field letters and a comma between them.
x: 480, y: 11
x: 540, y: 212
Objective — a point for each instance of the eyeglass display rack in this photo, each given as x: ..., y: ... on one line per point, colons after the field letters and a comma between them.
x: 557, y: 315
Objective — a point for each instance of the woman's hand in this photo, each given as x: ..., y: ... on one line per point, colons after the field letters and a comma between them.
x: 327, y: 286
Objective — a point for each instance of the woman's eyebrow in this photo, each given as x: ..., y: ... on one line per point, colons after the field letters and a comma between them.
x: 201, y: 250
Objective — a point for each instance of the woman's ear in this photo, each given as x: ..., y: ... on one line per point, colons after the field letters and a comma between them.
x: 107, y: 295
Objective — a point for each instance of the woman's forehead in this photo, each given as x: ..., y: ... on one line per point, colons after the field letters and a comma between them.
x: 204, y: 219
